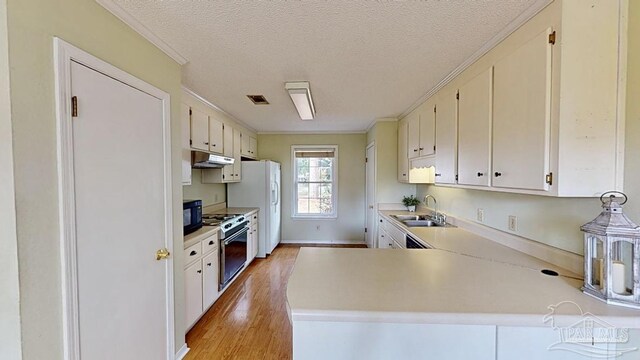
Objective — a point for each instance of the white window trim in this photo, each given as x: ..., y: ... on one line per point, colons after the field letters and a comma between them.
x: 294, y: 179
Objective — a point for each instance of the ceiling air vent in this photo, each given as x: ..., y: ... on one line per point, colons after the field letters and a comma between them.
x: 258, y: 99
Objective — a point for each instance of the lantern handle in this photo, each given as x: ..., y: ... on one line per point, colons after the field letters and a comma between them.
x: 611, y: 195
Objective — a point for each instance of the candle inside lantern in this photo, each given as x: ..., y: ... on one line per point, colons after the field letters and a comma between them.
x: 617, y: 277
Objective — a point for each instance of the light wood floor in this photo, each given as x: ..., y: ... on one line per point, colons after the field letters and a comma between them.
x: 249, y: 321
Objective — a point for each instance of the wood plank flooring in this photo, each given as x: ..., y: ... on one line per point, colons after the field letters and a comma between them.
x: 249, y: 321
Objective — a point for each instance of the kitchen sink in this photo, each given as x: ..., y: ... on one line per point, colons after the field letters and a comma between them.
x: 410, y: 217
x: 422, y: 223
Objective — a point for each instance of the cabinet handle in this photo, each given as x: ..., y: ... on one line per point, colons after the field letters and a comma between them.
x: 480, y: 174
x: 208, y: 264
x: 211, y: 242
x: 415, y: 150
x: 193, y: 253
x: 438, y: 174
x: 381, y: 235
x: 199, y: 271
x: 404, y: 174
x: 380, y: 220
x: 255, y: 217
x: 421, y: 149
x: 497, y: 174
x: 213, y: 145
x: 206, y: 143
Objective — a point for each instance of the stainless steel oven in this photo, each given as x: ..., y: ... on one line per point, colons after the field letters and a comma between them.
x: 233, y: 248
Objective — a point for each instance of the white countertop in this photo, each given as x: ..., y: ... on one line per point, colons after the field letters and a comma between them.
x: 234, y: 210
x: 466, y: 279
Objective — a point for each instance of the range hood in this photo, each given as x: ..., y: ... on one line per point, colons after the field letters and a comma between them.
x: 203, y: 160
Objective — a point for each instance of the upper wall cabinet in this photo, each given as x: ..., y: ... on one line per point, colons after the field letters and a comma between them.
x: 216, y: 144
x: 543, y: 111
x: 249, y: 146
x: 446, y: 138
x: 421, y: 131
x: 474, y: 130
x: 199, y: 130
x: 413, y: 135
x: 403, y: 157
x: 522, y: 116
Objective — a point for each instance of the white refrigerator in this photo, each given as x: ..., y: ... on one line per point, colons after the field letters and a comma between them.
x: 260, y: 187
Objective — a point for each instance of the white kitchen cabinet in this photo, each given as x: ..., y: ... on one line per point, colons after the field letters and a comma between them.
x: 216, y: 141
x: 249, y: 146
x: 227, y: 174
x: 252, y: 241
x: 210, y: 278
x: 193, y: 292
x: 427, y: 116
x: 413, y: 136
x: 384, y: 241
x: 199, y: 130
x: 237, y: 146
x: 185, y: 120
x: 446, y: 138
x: 403, y: 158
x: 522, y: 116
x: 474, y: 130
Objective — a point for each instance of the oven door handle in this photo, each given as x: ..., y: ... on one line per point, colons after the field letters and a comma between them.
x: 236, y: 235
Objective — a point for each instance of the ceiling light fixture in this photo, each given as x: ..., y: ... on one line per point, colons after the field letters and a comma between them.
x: 300, y: 94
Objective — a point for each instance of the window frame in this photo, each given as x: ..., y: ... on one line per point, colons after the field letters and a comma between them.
x: 334, y: 182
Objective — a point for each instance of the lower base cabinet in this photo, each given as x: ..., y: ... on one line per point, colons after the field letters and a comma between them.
x: 252, y: 239
x: 201, y: 280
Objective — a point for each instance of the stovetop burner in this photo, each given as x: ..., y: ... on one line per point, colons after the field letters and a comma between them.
x: 218, y: 219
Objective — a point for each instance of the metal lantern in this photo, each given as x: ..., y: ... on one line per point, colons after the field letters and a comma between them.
x: 612, y: 254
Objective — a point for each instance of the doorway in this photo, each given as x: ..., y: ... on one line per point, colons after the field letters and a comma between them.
x: 370, y: 181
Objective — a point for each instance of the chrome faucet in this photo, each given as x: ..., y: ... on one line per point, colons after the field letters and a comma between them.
x: 441, y: 218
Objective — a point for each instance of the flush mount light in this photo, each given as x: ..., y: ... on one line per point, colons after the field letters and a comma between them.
x: 258, y: 99
x: 300, y: 94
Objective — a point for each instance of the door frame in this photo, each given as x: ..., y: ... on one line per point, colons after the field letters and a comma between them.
x: 64, y: 55
x: 373, y: 231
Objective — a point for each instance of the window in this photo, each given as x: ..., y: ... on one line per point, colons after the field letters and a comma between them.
x: 315, y: 181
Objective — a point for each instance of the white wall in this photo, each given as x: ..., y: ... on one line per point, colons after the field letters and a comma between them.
x: 10, y: 337
x: 349, y: 226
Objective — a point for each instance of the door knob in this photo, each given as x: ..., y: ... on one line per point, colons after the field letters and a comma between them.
x: 162, y: 254
x: 370, y: 206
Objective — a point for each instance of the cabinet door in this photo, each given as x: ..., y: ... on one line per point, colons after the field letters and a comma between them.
x: 403, y: 160
x: 186, y: 146
x: 199, y: 130
x: 227, y: 140
x: 215, y: 135
x: 427, y: 129
x: 254, y: 241
x: 237, y: 165
x: 446, y: 138
x: 474, y: 130
x: 384, y: 241
x: 210, y: 279
x: 245, y: 145
x: 193, y: 292
x: 413, y: 137
x: 522, y: 115
x: 253, y: 147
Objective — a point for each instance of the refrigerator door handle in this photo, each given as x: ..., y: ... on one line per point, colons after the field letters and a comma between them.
x: 276, y: 193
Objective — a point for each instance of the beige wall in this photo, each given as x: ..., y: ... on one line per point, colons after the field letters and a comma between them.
x: 388, y: 189
x: 10, y: 339
x: 556, y: 221
x: 349, y: 225
x: 85, y: 24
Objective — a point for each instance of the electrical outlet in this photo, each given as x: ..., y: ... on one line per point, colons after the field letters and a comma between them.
x: 513, y: 223
x: 480, y: 215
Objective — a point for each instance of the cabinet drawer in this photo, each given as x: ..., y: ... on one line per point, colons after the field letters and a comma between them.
x: 254, y: 219
x: 395, y: 233
x: 192, y: 253
x: 209, y: 244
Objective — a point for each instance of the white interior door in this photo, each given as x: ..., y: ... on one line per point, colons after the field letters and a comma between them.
x: 120, y: 188
x: 371, y: 196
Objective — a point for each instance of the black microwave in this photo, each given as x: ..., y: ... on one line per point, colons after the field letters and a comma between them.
x: 191, y: 215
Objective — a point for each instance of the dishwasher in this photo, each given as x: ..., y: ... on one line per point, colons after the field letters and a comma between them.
x: 414, y: 244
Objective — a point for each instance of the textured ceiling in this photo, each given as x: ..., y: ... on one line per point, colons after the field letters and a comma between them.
x: 364, y: 59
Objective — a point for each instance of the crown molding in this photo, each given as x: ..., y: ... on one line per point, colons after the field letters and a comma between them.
x: 374, y: 122
x: 138, y: 27
x: 514, y: 25
x: 317, y: 132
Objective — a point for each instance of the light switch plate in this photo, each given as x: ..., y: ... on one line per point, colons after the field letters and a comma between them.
x: 513, y: 223
x: 480, y: 215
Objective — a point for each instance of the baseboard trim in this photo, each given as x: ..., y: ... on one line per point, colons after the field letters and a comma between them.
x: 322, y: 242
x: 562, y: 258
x: 182, y: 352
